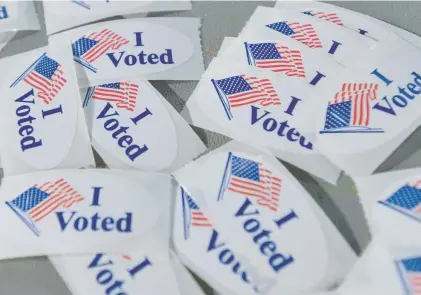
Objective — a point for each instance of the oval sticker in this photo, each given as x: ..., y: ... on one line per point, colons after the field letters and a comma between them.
x: 109, y: 51
x: 78, y: 211
x: 255, y: 105
x: 375, y: 106
x: 129, y: 120
x: 250, y: 199
x: 42, y: 112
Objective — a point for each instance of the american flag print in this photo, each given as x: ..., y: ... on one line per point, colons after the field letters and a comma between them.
x: 410, y: 273
x: 96, y: 44
x: 277, y: 58
x: 252, y: 179
x: 406, y: 200
x: 351, y: 106
x: 304, y: 33
x: 47, y: 78
x: 328, y: 16
x: 123, y: 94
x: 244, y: 90
x: 39, y: 201
x: 192, y: 215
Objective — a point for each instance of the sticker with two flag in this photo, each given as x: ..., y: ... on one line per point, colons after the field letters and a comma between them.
x: 88, y: 49
x: 410, y: 275
x: 242, y: 90
x: 275, y: 57
x: 39, y: 201
x: 349, y: 112
x: 251, y: 179
x: 46, y: 76
x: 122, y: 94
x: 406, y: 200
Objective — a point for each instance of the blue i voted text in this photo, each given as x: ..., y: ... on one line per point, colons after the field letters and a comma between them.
x: 96, y: 222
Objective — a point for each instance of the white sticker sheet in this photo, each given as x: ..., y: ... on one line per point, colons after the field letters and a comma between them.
x: 42, y: 123
x: 133, y: 126
x: 106, y: 52
x: 63, y: 15
x: 83, y: 212
x: 259, y: 108
x: 341, y: 44
x: 243, y: 221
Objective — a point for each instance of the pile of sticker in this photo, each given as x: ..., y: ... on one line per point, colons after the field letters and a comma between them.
x: 323, y: 88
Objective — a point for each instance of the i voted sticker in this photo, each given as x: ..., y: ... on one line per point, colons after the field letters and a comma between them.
x: 117, y: 274
x: 287, y: 58
x: 377, y: 108
x: 43, y: 120
x: 77, y: 211
x: 339, y: 43
x: 128, y: 120
x: 246, y: 97
x: 133, y: 126
x: 126, y: 49
x: 202, y: 248
x: 259, y: 108
x: 270, y: 220
x: 246, y: 194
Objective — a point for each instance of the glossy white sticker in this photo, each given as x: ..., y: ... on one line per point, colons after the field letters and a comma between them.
x: 126, y: 49
x: 376, y: 107
x: 132, y: 125
x: 83, y: 211
x: 254, y: 204
x: 201, y: 247
x: 218, y: 183
x: 43, y: 123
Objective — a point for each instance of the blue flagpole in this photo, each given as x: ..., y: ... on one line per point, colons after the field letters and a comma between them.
x: 84, y: 63
x: 222, y: 187
x: 88, y: 96
x: 248, y: 54
x: 27, y: 71
x: 400, y: 211
x: 82, y: 3
x: 29, y: 224
x: 403, y: 279
x: 184, y: 213
x: 227, y: 111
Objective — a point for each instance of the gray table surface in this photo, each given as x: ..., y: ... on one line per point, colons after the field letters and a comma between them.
x: 36, y: 276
